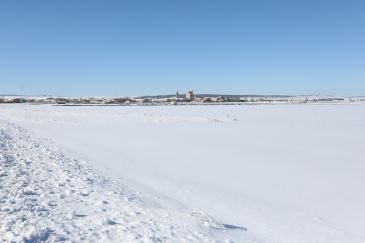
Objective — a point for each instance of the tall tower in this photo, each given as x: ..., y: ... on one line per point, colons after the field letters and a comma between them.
x: 190, y: 95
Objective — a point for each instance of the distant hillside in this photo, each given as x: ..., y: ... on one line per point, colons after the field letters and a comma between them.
x: 214, y: 95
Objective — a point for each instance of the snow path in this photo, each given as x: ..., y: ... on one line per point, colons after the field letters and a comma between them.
x: 47, y: 196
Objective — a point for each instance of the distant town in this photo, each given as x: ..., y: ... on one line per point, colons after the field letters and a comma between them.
x: 179, y: 99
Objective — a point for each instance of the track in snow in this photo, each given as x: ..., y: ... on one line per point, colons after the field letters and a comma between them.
x: 47, y: 196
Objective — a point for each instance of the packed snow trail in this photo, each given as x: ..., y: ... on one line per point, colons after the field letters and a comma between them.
x: 47, y: 196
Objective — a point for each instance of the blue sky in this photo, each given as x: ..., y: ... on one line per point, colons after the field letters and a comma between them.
x: 101, y: 48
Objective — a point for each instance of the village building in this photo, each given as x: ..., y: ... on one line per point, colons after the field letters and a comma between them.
x: 190, y: 95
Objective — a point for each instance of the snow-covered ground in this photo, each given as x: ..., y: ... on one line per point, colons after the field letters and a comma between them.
x: 287, y: 173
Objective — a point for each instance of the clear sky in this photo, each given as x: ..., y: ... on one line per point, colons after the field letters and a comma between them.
x: 137, y: 47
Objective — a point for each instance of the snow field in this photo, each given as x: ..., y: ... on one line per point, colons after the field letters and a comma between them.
x: 287, y: 173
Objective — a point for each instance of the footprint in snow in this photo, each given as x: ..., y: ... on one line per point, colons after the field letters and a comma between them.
x: 111, y: 222
x: 79, y: 214
x: 84, y: 193
x: 29, y: 193
x: 52, y: 204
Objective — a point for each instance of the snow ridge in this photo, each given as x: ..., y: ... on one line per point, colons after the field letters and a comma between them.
x: 48, y: 196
